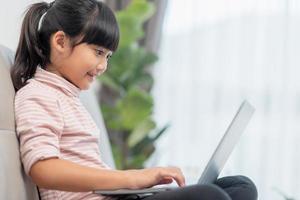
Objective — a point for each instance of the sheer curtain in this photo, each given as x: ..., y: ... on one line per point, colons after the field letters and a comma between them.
x: 213, y: 55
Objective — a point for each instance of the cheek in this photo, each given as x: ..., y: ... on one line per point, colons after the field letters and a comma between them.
x: 82, y: 66
x: 81, y: 63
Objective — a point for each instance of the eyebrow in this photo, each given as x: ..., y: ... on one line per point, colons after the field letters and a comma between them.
x: 104, y: 49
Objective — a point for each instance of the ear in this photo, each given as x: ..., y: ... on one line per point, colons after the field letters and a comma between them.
x: 60, y: 42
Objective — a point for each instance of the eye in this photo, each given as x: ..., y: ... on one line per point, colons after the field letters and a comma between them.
x: 108, y: 56
x: 99, y: 52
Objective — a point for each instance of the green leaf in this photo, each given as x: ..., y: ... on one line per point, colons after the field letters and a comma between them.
x: 134, y: 108
x: 145, y: 82
x: 142, y: 60
x: 131, y: 19
x: 159, y: 133
x: 143, y: 145
x: 109, y: 82
x: 111, y: 117
x: 140, y: 132
x: 117, y: 153
x: 137, y: 161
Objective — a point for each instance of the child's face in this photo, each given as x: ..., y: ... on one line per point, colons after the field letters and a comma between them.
x: 84, y: 64
x: 81, y: 64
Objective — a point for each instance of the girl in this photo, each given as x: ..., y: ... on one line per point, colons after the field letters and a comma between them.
x: 63, y: 46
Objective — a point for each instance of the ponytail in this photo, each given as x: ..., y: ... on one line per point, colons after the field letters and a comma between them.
x: 29, y: 53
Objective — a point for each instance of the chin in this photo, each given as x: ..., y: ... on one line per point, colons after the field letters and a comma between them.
x: 86, y: 87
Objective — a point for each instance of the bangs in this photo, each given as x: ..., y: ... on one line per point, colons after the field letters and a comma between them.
x: 102, y: 29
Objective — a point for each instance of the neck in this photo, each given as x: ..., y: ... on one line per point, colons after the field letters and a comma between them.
x: 53, y: 69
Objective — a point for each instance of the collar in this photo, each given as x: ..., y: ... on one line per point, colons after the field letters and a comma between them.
x: 56, y: 81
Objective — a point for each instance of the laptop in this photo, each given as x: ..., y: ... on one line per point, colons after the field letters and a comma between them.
x: 217, y: 160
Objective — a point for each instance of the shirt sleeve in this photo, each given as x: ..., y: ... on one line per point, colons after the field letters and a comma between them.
x: 39, y: 124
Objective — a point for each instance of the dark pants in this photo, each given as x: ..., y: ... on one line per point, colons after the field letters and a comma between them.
x: 227, y: 188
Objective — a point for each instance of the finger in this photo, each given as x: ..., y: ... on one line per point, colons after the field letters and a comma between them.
x: 176, y: 174
x: 180, y: 180
x: 165, y: 181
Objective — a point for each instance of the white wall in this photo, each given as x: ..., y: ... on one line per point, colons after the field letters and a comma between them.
x: 11, y: 15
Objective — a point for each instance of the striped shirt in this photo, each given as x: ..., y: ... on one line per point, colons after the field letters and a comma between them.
x: 51, y: 122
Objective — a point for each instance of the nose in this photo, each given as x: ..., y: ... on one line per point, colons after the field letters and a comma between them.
x: 101, y: 67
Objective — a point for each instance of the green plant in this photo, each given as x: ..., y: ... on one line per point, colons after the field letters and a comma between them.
x: 125, y: 95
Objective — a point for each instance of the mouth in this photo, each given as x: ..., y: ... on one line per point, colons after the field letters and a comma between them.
x: 92, y: 76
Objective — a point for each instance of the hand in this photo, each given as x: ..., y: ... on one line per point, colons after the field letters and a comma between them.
x: 145, y: 178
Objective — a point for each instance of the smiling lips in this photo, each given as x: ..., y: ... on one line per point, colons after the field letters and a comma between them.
x: 92, y: 76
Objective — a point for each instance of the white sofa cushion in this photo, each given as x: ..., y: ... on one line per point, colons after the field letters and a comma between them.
x: 13, y: 184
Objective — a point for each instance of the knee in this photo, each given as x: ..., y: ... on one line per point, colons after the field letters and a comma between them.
x: 245, y: 187
x: 249, y: 186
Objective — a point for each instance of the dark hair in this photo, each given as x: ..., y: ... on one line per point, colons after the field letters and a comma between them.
x: 90, y: 20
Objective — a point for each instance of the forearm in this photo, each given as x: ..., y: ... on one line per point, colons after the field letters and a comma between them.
x: 65, y: 175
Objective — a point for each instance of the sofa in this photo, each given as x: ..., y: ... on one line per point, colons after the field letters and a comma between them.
x: 14, y: 184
